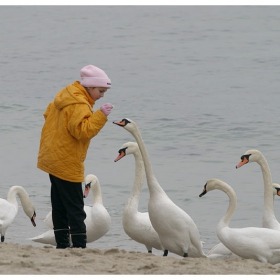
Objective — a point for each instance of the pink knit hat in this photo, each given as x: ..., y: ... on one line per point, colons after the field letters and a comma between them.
x: 93, y: 76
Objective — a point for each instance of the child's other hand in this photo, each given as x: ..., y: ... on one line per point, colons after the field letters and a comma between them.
x: 106, y: 108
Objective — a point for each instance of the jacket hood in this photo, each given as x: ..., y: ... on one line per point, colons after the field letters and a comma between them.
x: 73, y: 94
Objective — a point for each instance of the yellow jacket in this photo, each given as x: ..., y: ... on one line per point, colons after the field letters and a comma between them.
x: 69, y: 126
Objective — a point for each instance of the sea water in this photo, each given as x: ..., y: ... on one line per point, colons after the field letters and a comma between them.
x: 201, y: 82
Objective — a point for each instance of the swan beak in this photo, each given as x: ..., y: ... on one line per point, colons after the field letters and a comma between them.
x: 204, y: 191
x: 278, y: 191
x: 120, y: 123
x: 33, y: 219
x: 121, y: 155
x: 243, y: 161
x: 87, y: 188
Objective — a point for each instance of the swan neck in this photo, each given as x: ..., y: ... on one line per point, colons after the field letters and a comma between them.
x: 224, y: 222
x: 23, y: 196
x: 96, y: 193
x: 269, y: 220
x: 151, y: 179
x: 266, y: 178
x: 133, y: 200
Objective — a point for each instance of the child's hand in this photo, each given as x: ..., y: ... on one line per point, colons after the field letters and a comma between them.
x: 106, y: 108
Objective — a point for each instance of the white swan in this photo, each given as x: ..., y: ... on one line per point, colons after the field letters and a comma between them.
x: 137, y: 225
x: 220, y: 251
x: 9, y: 208
x: 98, y: 220
x: 268, y: 220
x: 177, y: 231
x: 261, y: 244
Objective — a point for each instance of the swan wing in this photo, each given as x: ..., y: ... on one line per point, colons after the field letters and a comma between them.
x: 48, y: 220
x: 7, y: 212
x: 177, y: 231
x: 257, y: 243
x: 98, y: 222
x: 45, y: 238
x: 139, y: 228
x: 5, y: 209
x: 95, y: 228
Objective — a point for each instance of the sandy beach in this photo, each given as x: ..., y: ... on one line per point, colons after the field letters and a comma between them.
x: 46, y: 260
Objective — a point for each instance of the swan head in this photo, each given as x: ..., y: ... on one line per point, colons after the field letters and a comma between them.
x: 204, y: 191
x: 249, y: 156
x: 213, y: 184
x: 90, y: 179
x: 127, y: 149
x: 126, y: 123
x: 31, y: 213
x: 33, y: 219
x: 276, y: 189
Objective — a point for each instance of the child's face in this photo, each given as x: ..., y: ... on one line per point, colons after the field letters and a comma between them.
x: 96, y: 92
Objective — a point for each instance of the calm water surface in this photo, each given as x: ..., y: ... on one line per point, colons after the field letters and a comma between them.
x: 202, y: 83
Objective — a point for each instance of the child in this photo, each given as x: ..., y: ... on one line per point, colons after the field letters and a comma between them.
x: 69, y: 126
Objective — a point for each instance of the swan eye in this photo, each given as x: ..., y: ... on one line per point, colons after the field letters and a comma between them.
x: 245, y: 157
x: 126, y: 120
x: 122, y: 150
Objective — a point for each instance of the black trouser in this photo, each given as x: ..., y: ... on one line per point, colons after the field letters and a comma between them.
x: 67, y: 206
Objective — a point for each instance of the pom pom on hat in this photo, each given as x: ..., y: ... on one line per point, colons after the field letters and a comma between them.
x: 93, y: 76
